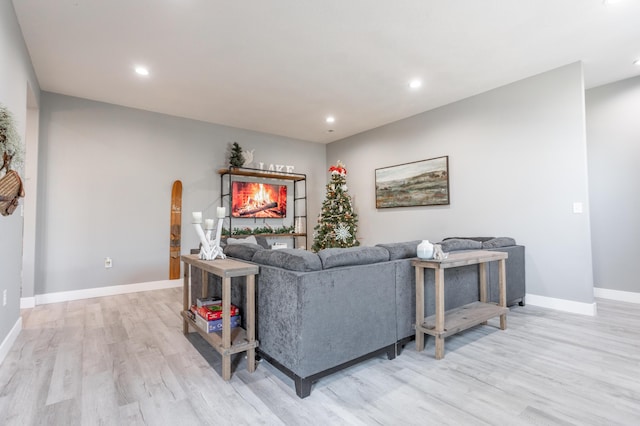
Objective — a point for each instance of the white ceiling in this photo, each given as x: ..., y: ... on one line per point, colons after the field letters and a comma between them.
x: 282, y: 66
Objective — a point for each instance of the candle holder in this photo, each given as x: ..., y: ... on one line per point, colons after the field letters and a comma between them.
x: 209, y: 247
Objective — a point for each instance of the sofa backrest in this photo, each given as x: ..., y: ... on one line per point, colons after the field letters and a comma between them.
x: 307, y: 261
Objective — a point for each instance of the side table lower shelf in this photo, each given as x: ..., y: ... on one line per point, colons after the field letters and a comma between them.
x: 445, y: 323
x: 229, y: 340
x: 239, y: 341
x: 461, y: 318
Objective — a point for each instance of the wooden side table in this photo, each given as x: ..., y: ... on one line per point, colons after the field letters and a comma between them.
x: 444, y: 324
x: 230, y: 340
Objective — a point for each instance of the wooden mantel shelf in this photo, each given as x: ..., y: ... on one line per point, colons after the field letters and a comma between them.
x: 266, y: 174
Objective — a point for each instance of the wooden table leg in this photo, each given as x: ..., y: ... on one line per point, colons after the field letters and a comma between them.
x: 439, y: 313
x: 185, y: 298
x: 483, y: 282
x: 482, y: 271
x: 502, y: 283
x: 251, y: 319
x: 226, y: 327
x: 419, y: 308
x: 204, y: 284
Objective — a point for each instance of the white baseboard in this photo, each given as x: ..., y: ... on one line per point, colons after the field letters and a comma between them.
x: 8, y: 341
x: 27, y: 302
x: 622, y: 296
x: 561, y: 304
x: 65, y: 296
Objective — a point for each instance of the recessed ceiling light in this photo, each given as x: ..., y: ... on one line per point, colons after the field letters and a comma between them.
x: 636, y: 62
x: 414, y: 84
x: 142, y: 71
x: 330, y: 119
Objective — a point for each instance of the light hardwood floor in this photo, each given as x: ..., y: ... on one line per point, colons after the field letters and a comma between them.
x: 123, y: 360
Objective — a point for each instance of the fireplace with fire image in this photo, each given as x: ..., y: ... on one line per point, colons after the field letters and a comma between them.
x: 253, y: 199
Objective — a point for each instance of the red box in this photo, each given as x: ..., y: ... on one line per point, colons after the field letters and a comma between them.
x: 214, y: 312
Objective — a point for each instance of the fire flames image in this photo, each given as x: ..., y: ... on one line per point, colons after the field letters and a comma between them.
x: 259, y: 200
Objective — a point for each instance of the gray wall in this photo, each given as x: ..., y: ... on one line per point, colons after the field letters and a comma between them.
x: 613, y: 139
x: 16, y: 75
x: 517, y: 162
x: 105, y: 187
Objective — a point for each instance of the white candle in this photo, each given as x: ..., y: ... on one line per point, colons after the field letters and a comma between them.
x: 208, y: 224
x: 221, y: 212
x: 197, y: 217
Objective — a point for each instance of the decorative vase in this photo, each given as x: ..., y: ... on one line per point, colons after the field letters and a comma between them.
x: 425, y: 250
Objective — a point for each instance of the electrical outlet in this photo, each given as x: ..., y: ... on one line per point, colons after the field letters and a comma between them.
x: 4, y: 297
x: 108, y: 263
x: 577, y: 207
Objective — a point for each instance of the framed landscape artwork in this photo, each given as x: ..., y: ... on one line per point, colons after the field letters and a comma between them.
x: 421, y: 183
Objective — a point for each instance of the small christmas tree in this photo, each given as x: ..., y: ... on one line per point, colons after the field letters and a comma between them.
x: 236, y: 159
x: 337, y: 224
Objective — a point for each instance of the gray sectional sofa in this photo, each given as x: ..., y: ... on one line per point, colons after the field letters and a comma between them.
x: 320, y: 312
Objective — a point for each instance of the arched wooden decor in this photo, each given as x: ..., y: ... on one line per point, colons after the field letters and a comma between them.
x: 176, y: 224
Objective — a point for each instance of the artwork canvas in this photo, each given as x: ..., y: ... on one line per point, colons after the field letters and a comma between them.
x: 421, y: 183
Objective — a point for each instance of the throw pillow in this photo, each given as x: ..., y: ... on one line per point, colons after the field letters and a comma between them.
x: 249, y: 240
x: 292, y: 259
x: 335, y: 257
x: 262, y: 241
x: 404, y: 250
x: 454, y: 244
x: 244, y: 251
x: 481, y: 239
x: 498, y: 242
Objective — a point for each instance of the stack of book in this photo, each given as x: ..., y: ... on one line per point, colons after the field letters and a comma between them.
x: 207, y: 314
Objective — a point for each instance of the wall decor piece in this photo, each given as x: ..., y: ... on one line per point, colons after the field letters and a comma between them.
x: 11, y: 147
x: 421, y: 183
x: 248, y: 157
x: 175, y: 230
x: 209, y: 246
x: 11, y: 155
x: 11, y: 190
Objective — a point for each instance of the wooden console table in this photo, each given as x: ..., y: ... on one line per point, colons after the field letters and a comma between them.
x: 444, y: 324
x: 230, y: 340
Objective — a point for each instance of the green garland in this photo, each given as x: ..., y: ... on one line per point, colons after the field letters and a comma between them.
x: 259, y: 230
x: 10, y: 139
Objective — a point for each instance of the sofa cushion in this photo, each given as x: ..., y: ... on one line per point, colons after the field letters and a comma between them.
x: 262, y: 240
x: 292, y: 259
x: 481, y: 239
x: 335, y: 257
x: 454, y: 244
x: 404, y: 250
x: 247, y: 240
x: 498, y: 242
x: 243, y: 251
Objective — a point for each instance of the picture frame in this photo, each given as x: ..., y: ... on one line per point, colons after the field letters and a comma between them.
x: 420, y: 183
